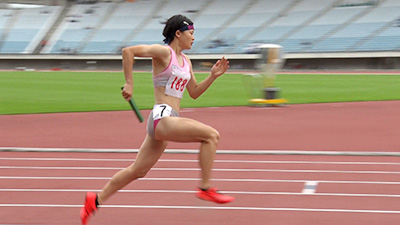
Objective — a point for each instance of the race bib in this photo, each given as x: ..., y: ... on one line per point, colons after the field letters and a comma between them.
x: 177, y: 82
x: 160, y: 111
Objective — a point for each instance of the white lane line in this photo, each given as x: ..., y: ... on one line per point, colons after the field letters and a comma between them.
x: 192, y: 192
x: 196, y: 161
x: 198, y: 169
x: 310, y: 187
x: 66, y: 159
x: 195, y: 151
x: 208, y: 208
x: 197, y: 179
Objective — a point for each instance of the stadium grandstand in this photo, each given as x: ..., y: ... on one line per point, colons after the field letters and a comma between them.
x: 104, y: 27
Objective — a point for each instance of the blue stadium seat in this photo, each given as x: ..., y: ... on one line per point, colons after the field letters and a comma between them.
x: 299, y: 26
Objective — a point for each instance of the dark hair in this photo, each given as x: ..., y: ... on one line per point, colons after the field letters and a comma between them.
x: 177, y: 22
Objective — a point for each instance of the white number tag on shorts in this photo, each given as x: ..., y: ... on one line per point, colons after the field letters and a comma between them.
x: 160, y: 111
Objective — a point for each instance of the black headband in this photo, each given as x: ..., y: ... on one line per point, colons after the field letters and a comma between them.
x: 187, y: 27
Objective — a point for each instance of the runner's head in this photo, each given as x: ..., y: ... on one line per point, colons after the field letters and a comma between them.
x: 176, y: 23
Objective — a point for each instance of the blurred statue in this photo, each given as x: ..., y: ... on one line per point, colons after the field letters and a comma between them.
x: 269, y: 63
x: 262, y: 85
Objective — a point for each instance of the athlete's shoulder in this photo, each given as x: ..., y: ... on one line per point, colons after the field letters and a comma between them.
x: 160, y: 48
x: 154, y: 50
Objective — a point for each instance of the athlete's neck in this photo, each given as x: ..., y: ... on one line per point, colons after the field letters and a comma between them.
x: 174, y: 45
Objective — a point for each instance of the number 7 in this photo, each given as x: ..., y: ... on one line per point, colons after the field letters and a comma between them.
x: 162, y: 111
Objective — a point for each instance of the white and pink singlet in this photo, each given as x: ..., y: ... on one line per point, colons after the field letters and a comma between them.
x: 175, y: 77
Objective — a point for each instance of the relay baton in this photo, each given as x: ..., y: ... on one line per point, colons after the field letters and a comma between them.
x: 135, y: 108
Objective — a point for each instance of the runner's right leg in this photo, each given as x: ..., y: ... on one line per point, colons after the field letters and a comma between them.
x: 149, y: 153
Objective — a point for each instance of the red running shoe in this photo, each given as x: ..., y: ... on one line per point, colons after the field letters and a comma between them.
x: 89, y: 208
x: 212, y: 195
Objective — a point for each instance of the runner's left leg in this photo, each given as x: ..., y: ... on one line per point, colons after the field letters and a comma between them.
x: 180, y: 129
x: 187, y: 130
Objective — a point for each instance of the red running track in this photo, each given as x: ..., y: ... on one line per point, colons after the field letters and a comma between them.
x: 48, y: 188
x: 358, y: 126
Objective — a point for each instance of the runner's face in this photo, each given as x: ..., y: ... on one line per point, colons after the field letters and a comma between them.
x: 188, y: 39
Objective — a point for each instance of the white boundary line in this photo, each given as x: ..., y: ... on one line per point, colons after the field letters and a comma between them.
x: 198, y: 169
x: 196, y: 161
x: 193, y: 192
x: 193, y: 151
x: 208, y: 208
x: 197, y: 179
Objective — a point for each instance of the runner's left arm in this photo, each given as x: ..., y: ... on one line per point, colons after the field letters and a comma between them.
x: 195, y: 89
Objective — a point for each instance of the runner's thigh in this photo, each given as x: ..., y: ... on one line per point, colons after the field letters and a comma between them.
x: 180, y: 129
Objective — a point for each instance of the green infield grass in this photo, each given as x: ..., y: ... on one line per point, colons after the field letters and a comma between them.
x: 47, y: 92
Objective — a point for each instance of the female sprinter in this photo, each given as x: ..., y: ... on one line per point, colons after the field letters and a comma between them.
x: 172, y: 74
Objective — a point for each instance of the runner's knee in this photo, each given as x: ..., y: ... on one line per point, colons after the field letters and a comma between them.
x: 213, y: 137
x: 141, y: 174
x: 137, y: 173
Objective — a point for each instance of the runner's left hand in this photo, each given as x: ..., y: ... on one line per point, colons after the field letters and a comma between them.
x: 220, y: 67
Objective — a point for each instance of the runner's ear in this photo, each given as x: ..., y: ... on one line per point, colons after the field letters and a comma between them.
x: 178, y: 33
